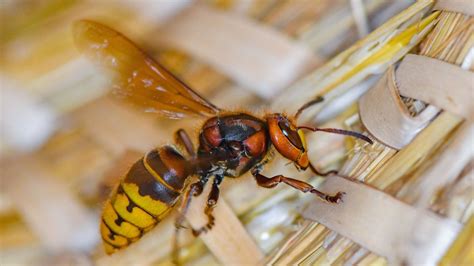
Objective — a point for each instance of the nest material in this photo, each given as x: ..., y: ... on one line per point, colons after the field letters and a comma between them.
x: 75, y: 159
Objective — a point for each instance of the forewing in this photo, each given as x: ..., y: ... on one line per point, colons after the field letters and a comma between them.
x: 138, y: 78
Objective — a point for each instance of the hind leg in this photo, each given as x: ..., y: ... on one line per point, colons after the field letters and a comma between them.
x: 194, y: 189
x: 211, y: 203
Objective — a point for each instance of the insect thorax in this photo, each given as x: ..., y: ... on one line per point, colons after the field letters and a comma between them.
x: 233, y: 143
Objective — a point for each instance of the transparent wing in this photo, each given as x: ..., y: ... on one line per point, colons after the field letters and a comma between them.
x: 138, y: 78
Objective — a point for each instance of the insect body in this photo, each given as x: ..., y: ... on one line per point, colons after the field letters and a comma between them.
x: 230, y: 144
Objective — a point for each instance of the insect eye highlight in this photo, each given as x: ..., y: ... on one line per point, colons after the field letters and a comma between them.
x: 291, y: 134
x: 236, y: 146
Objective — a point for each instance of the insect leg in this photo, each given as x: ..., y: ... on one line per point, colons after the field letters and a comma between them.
x: 211, y: 203
x: 194, y: 189
x: 183, y: 139
x: 271, y: 182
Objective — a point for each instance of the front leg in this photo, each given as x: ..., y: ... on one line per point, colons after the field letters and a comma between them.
x: 271, y: 182
x: 211, y: 203
x: 182, y: 138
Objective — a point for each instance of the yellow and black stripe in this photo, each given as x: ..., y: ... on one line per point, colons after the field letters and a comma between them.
x: 143, y: 198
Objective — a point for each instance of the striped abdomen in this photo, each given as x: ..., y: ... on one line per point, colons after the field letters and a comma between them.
x: 143, y: 198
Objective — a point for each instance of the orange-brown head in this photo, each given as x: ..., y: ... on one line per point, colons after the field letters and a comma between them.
x: 288, y: 139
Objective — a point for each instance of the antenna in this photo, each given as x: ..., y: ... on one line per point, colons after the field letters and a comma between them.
x: 339, y: 131
x: 308, y: 104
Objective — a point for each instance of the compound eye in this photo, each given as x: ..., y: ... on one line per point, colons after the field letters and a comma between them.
x: 290, y: 132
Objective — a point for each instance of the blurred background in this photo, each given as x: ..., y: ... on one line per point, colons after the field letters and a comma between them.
x: 64, y: 137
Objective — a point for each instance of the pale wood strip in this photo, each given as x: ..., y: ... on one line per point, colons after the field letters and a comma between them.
x: 407, y: 158
x: 436, y: 82
x: 386, y: 117
x: 47, y: 205
x: 420, y: 236
x: 360, y: 16
x: 460, y: 6
x: 447, y: 166
x: 228, y: 240
x: 255, y: 56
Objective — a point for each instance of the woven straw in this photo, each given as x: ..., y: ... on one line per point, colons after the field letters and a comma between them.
x: 399, y: 71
